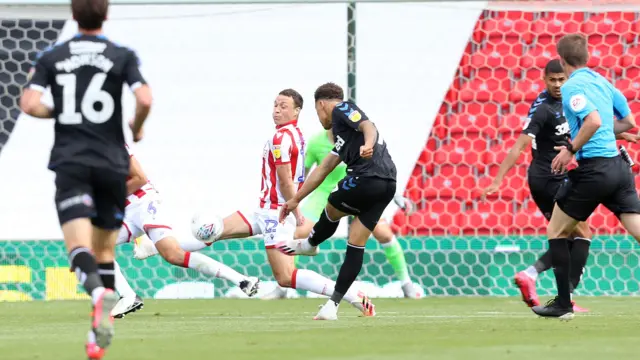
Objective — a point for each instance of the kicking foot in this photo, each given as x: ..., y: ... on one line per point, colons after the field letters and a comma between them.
x: 364, y: 305
x: 101, y: 319
x: 297, y: 247
x: 410, y: 291
x: 277, y: 293
x: 554, y: 309
x: 250, y: 286
x: 527, y: 288
x: 328, y: 312
x: 94, y: 352
x: 127, y: 305
x: 143, y: 248
x: 578, y: 309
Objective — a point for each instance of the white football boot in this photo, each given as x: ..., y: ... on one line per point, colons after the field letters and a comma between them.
x: 297, y: 247
x: 328, y: 311
x: 144, y: 248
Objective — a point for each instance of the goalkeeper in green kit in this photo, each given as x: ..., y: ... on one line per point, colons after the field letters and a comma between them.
x: 318, y: 147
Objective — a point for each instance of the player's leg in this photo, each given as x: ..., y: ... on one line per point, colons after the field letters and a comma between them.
x: 625, y: 202
x: 395, y: 256
x: 370, y: 198
x: 129, y: 301
x: 110, y: 191
x: 169, y: 248
x: 579, y: 244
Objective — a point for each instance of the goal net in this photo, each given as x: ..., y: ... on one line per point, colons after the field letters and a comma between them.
x: 454, y: 244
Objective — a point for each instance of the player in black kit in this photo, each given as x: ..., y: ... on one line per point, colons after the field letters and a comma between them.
x: 86, y: 75
x: 365, y: 192
x: 546, y: 129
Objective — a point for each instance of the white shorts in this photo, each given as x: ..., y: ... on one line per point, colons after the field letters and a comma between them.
x: 145, y: 216
x: 265, y: 222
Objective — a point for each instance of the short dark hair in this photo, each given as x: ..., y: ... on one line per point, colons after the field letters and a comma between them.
x: 573, y: 50
x: 298, y: 101
x: 90, y: 14
x: 329, y: 91
x: 553, y: 67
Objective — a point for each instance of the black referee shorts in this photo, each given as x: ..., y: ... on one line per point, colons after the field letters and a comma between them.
x: 607, y: 181
x: 364, y: 197
x: 89, y: 192
x: 543, y: 191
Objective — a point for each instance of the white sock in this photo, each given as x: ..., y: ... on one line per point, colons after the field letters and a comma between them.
x: 122, y: 285
x: 312, y: 281
x: 210, y: 267
x: 532, y: 272
x: 305, y: 244
x: 96, y: 293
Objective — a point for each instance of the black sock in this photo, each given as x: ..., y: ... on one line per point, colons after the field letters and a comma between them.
x: 561, y: 261
x: 543, y: 263
x: 107, y: 274
x: 579, y: 255
x: 86, y: 269
x: 348, y: 271
x: 323, y: 229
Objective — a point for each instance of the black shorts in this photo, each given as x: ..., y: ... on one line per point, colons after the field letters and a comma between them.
x: 89, y: 192
x: 364, y: 197
x: 544, y: 190
x: 607, y: 181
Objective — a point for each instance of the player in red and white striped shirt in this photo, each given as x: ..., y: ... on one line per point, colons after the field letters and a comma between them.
x: 282, y: 175
x: 144, y: 215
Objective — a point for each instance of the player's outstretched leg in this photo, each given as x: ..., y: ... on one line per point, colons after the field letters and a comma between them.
x: 170, y: 250
x: 349, y: 270
x: 288, y: 276
x: 144, y: 247
x: 322, y: 230
x: 395, y: 256
x: 129, y: 301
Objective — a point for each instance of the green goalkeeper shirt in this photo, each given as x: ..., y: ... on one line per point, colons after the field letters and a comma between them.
x: 318, y: 148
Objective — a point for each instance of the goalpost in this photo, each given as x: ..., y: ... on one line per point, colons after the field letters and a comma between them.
x: 453, y: 246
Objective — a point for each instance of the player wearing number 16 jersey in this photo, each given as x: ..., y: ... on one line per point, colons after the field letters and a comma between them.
x: 86, y: 75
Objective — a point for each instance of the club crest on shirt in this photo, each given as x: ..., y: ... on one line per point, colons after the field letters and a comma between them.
x: 355, y: 116
x: 276, y: 152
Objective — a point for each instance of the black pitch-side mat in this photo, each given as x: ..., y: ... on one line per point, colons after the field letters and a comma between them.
x: 21, y: 40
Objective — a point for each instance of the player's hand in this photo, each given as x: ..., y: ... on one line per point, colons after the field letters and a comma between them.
x: 629, y: 137
x: 490, y: 190
x: 137, y: 135
x: 366, y: 152
x: 405, y: 204
x: 560, y: 162
x: 286, y: 209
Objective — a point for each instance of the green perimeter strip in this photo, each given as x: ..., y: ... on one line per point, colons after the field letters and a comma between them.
x: 440, y: 265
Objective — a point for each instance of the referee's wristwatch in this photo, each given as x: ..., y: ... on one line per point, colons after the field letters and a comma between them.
x: 570, y: 148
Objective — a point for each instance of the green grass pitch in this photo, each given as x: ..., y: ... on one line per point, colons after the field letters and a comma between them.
x: 431, y: 328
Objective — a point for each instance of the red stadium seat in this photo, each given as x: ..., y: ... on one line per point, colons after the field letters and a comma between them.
x: 605, y: 56
x: 499, y: 55
x: 492, y: 218
x: 603, y: 221
x: 497, y: 29
x: 526, y: 90
x: 437, y: 218
x: 512, y: 125
x: 529, y: 220
x: 485, y: 90
x: 538, y: 57
x: 449, y: 187
x: 550, y: 29
x: 631, y: 58
x: 630, y: 88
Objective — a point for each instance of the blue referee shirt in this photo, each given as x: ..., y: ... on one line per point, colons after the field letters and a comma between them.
x: 584, y: 92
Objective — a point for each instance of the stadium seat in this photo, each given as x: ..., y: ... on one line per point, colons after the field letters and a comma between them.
x: 490, y: 218
x: 437, y: 218
x: 471, y: 124
x: 603, y: 221
x: 529, y: 220
x: 526, y: 90
x: 538, y: 57
x: 548, y: 30
x: 449, y: 187
x: 482, y: 90
x: 497, y: 55
x: 505, y: 29
x: 511, y: 125
x: 630, y: 88
x: 605, y: 56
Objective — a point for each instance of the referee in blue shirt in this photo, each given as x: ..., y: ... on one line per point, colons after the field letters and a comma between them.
x: 590, y: 103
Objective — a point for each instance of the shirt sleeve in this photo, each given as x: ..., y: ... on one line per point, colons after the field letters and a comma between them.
x: 620, y: 105
x: 132, y: 74
x: 349, y: 114
x: 535, y: 121
x: 575, y: 101
x: 281, y: 148
x: 38, y: 77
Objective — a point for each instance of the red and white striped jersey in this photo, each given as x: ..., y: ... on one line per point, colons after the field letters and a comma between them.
x: 286, y: 146
x: 144, y: 190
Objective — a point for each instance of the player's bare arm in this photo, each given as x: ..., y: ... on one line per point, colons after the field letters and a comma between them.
x: 591, y: 124
x: 512, y: 157
x: 315, y: 179
x: 623, y: 125
x: 137, y: 177
x: 30, y: 104
x: 143, y: 107
x: 287, y: 188
x: 370, y: 133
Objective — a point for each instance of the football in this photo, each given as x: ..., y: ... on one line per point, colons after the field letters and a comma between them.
x: 206, y: 228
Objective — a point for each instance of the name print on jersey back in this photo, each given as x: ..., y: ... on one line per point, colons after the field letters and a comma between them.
x: 86, y: 75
